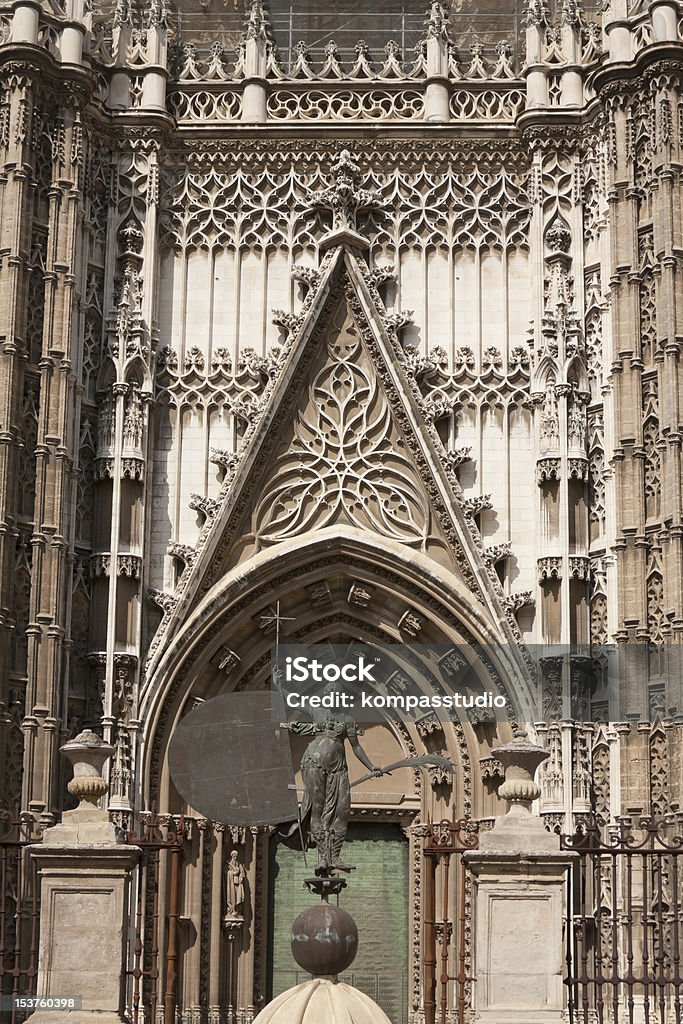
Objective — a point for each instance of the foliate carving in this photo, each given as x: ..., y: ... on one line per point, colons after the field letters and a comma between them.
x: 497, y: 553
x: 344, y: 197
x: 183, y: 552
x: 537, y: 13
x: 228, y: 460
x: 457, y: 457
x: 522, y: 599
x: 437, y: 406
x: 165, y: 601
x: 345, y: 459
x: 475, y: 505
x: 207, y: 507
x: 428, y: 726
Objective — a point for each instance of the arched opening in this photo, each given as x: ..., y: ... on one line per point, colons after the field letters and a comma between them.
x: 338, y: 586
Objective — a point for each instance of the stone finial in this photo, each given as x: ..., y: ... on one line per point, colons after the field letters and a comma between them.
x: 345, y: 199
x: 88, y: 824
x: 436, y: 22
x: 537, y: 13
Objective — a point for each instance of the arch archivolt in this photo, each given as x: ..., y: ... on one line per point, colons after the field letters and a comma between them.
x: 336, y: 586
x: 339, y: 586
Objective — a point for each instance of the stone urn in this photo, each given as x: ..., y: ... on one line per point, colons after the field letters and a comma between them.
x: 519, y: 829
x: 89, y: 823
x: 520, y: 759
x: 87, y: 753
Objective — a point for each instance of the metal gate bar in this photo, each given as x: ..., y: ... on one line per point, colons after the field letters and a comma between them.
x: 19, y: 912
x: 624, y: 921
x: 158, y: 833
x: 445, y: 840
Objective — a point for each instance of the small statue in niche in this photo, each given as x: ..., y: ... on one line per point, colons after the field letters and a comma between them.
x: 234, y: 887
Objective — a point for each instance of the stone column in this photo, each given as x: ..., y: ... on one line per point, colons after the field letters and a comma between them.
x: 519, y: 898
x: 437, y: 89
x: 84, y: 874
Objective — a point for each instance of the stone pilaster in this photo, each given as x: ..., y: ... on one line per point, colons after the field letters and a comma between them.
x: 56, y: 456
x: 19, y: 84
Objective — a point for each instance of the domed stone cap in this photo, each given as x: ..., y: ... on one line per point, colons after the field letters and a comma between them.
x: 321, y: 1001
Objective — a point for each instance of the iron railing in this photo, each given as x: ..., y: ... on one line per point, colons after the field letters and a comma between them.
x: 19, y: 913
x: 625, y: 921
x: 446, y: 842
x: 154, y: 949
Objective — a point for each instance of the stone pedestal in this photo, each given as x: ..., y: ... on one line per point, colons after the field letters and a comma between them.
x: 519, y: 892
x: 84, y: 872
x: 519, y: 909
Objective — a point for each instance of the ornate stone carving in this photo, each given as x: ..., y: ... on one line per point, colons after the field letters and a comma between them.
x: 549, y: 568
x: 411, y: 623
x: 360, y: 594
x: 345, y: 459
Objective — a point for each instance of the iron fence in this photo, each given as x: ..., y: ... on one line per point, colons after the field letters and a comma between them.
x: 625, y: 921
x: 153, y: 952
x: 19, y: 912
x: 445, y: 937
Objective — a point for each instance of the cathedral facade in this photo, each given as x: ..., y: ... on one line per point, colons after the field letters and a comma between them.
x: 369, y: 320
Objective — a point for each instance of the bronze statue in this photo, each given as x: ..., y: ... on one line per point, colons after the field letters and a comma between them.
x: 327, y: 792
